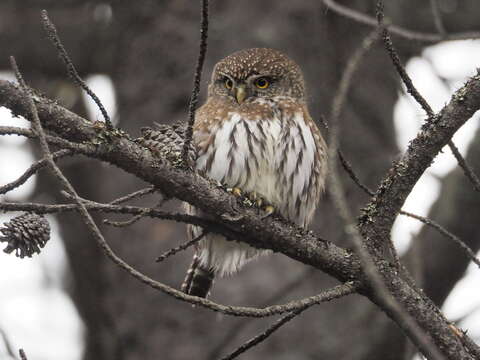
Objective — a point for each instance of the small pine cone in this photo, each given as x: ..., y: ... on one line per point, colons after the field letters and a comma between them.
x: 166, y: 141
x: 25, y: 234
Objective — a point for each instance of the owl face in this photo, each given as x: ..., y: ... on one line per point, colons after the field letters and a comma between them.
x: 253, y: 74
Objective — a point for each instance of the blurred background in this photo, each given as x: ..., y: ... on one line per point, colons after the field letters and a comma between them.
x: 72, y: 303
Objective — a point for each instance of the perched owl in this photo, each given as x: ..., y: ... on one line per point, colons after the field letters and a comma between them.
x: 255, y: 135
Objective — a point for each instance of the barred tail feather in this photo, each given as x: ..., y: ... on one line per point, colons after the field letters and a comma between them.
x: 199, y: 280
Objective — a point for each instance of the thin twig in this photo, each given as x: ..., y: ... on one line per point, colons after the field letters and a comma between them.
x: 54, y: 140
x: 32, y: 170
x: 348, y: 168
x: 71, y: 70
x: 6, y: 342
x: 132, y: 210
x: 196, y: 82
x: 467, y: 169
x: 341, y: 291
x: 437, y: 17
x: 398, y: 64
x: 125, y: 223
x: 394, y: 29
x: 137, y: 217
x: 278, y: 295
x: 133, y: 195
x: 181, y: 247
x: 468, y: 251
x: 22, y: 354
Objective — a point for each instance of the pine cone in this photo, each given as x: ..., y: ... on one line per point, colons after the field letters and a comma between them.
x: 166, y: 141
x: 25, y: 234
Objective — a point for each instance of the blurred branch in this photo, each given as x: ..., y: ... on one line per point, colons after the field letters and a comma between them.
x: 437, y: 18
x: 22, y: 354
x: 6, y: 342
x: 469, y: 252
x: 335, y: 293
x: 276, y: 297
x: 394, y: 29
x: 336, y: 189
x: 32, y: 170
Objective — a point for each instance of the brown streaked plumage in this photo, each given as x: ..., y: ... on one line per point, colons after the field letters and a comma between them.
x: 255, y: 133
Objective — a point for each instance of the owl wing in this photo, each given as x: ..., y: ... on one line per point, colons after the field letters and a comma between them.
x: 302, y: 164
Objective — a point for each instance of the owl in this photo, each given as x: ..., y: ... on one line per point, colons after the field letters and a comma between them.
x: 255, y: 135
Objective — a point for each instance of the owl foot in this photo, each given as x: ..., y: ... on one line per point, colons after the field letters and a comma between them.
x: 252, y: 199
x: 267, y: 211
x: 235, y: 191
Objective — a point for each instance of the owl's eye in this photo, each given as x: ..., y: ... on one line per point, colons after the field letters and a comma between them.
x: 228, y: 83
x: 262, y: 83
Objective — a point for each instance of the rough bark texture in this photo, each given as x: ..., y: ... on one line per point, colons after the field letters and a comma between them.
x: 148, y: 48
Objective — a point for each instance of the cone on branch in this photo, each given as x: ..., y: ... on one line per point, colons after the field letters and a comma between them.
x: 166, y: 141
x: 25, y: 234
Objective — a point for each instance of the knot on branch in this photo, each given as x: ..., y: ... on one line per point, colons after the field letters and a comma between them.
x: 25, y: 234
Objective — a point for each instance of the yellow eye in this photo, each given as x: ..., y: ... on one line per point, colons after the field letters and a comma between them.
x: 262, y: 83
x: 228, y: 83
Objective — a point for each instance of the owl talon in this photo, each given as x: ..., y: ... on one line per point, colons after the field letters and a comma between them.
x: 237, y: 192
x: 253, y: 196
x: 267, y: 211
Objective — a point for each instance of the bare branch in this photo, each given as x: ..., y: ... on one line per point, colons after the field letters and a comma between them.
x: 6, y: 342
x: 335, y: 293
x: 278, y: 295
x: 196, y: 82
x: 133, y: 195
x: 397, y: 30
x: 469, y: 252
x: 32, y: 170
x: 437, y: 18
x: 72, y: 72
x: 22, y: 354
x: 467, y: 169
x: 181, y: 247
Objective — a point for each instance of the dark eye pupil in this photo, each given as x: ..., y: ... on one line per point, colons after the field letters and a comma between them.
x: 262, y: 82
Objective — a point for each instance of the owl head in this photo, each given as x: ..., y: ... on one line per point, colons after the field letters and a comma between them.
x: 256, y: 73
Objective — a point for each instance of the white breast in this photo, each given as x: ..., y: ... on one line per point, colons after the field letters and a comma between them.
x: 273, y: 157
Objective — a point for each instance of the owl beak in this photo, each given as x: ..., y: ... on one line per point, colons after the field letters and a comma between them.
x: 240, y: 93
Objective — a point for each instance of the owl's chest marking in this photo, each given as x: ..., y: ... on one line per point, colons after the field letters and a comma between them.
x: 276, y: 157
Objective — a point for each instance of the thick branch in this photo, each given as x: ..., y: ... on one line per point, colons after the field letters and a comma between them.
x: 381, y: 212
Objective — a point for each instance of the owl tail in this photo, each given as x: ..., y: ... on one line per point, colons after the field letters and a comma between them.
x: 199, y: 280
